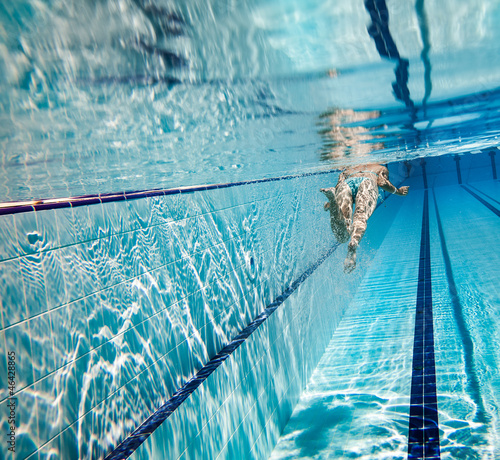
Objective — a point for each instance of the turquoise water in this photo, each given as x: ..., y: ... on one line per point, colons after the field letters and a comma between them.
x: 112, y: 305
x: 109, y: 96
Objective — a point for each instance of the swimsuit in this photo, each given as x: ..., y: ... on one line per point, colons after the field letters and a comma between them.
x: 355, y: 182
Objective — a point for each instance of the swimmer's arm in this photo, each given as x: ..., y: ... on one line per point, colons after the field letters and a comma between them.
x: 384, y: 183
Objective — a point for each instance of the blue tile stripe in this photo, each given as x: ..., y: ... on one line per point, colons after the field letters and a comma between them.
x: 423, y: 435
x: 133, y: 441
x: 481, y: 200
x: 85, y: 200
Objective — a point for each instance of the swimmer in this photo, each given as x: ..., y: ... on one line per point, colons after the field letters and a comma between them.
x: 359, y: 186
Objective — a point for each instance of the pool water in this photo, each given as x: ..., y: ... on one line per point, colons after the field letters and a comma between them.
x: 169, y: 283
x: 130, y: 95
x: 357, y: 402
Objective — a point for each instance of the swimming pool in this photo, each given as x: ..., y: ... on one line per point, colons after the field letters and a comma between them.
x: 170, y: 286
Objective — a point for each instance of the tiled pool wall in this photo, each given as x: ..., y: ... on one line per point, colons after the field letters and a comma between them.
x: 476, y: 166
x: 111, y: 307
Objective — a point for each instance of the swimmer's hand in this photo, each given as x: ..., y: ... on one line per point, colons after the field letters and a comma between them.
x: 402, y: 191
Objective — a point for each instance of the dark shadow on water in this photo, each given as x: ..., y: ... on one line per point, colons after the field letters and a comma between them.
x: 386, y: 47
x: 425, y: 34
x: 315, y: 423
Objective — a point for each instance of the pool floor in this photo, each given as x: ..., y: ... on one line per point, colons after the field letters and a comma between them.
x: 357, y: 402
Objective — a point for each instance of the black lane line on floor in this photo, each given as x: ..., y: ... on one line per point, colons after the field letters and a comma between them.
x: 484, y: 194
x: 481, y: 200
x: 134, y: 440
x: 423, y: 435
x: 473, y: 386
x: 86, y: 200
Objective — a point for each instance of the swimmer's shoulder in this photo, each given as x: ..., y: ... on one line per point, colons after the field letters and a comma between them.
x: 380, y: 170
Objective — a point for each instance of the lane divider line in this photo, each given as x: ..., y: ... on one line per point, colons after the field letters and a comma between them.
x: 423, y: 433
x: 85, y: 200
x: 484, y: 194
x: 473, y: 384
x: 481, y: 200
